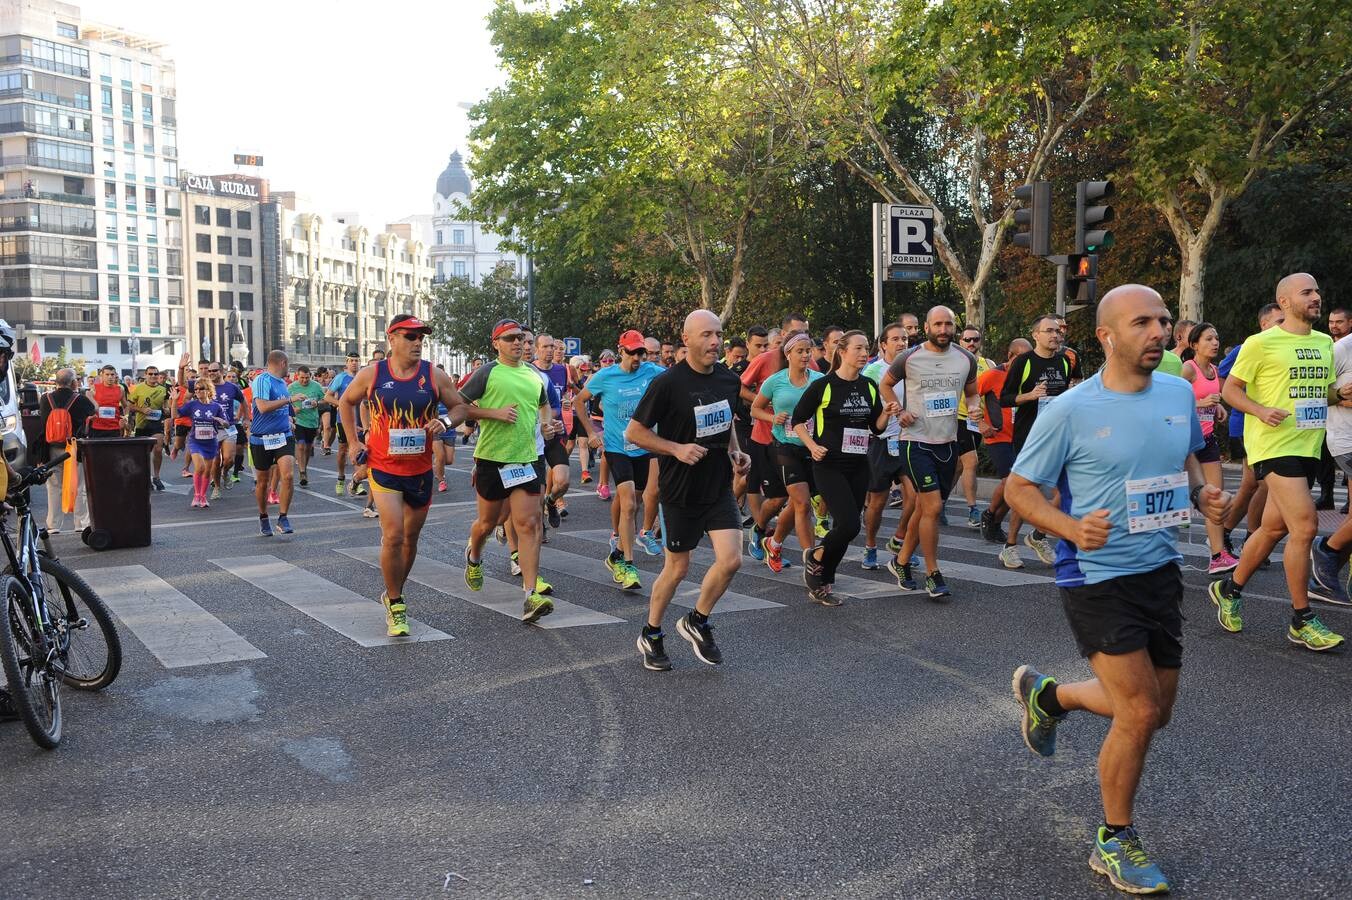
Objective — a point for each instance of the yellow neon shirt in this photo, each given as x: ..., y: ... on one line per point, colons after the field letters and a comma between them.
x: 1279, y: 369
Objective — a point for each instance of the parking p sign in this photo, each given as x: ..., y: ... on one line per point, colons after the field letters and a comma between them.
x: 572, y: 346
x: 910, y: 235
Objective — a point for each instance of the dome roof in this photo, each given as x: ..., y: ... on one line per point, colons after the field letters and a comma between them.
x: 454, y: 179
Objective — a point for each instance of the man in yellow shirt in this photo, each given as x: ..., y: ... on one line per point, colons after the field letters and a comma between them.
x: 150, y: 404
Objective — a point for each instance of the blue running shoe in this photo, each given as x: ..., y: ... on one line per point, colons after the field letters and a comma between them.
x: 1324, y: 581
x: 650, y: 544
x: 754, y: 545
x: 870, y: 560
x: 1039, y: 727
x: 1123, y: 859
x: 973, y: 517
x: 284, y: 525
x: 264, y: 526
x: 614, y: 542
x: 915, y: 561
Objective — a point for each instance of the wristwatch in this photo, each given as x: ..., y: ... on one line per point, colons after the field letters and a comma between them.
x: 1193, y: 495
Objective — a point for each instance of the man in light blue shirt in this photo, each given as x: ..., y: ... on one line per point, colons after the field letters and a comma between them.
x: 271, y: 442
x: 1119, y: 447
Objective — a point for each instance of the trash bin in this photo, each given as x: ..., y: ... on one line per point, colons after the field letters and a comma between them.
x: 117, y: 482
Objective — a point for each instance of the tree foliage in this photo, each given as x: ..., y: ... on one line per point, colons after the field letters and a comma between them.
x: 463, y: 313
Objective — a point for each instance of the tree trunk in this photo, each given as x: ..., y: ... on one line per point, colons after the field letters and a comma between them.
x: 1192, y: 277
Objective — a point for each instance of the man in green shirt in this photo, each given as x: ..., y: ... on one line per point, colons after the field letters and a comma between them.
x: 150, y: 404
x: 307, y: 417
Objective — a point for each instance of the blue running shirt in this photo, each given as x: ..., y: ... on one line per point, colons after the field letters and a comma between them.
x: 619, y: 392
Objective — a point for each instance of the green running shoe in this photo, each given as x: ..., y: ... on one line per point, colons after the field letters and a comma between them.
x: 616, y: 567
x: 1313, y: 635
x: 630, y: 581
x: 1228, y: 608
x: 1123, y: 859
x: 1039, y: 727
x: 396, y: 616
x: 474, y: 573
x: 536, y: 608
x: 543, y: 587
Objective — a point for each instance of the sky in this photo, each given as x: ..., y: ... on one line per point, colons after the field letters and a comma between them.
x: 355, y: 105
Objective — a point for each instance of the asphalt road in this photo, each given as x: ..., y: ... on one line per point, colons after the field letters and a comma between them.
x: 866, y: 751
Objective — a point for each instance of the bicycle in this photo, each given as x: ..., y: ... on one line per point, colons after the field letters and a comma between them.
x: 46, y: 637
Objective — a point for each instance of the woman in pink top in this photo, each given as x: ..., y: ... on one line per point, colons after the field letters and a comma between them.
x: 1200, y: 370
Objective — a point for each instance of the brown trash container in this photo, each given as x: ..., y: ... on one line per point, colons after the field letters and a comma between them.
x: 116, y: 474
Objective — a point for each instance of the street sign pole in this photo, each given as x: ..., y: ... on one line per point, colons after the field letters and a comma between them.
x: 879, y: 270
x: 1060, y: 289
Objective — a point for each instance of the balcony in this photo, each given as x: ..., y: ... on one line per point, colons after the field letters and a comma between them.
x: 49, y: 64
x: 62, y: 325
x: 46, y: 195
x: 22, y: 291
x: 45, y: 162
x: 46, y: 228
x: 37, y: 259
x: 46, y: 130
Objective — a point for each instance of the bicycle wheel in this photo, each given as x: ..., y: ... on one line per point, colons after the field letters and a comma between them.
x: 29, y: 664
x: 92, y: 654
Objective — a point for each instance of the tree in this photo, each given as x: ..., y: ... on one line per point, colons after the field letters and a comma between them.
x: 1219, y: 92
x: 463, y: 313
x: 25, y: 370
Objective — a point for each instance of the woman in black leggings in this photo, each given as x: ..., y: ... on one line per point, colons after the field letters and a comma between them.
x: 834, y: 419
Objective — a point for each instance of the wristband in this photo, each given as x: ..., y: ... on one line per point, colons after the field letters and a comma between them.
x: 1193, y: 494
x: 446, y: 422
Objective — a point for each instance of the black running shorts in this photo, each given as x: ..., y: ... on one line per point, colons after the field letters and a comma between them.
x: 263, y: 458
x: 795, y: 466
x: 1130, y: 613
x: 684, y: 526
x: 884, y: 464
x: 930, y: 467
x: 1306, y: 467
x: 624, y: 467
x: 488, y: 480
x: 556, y: 454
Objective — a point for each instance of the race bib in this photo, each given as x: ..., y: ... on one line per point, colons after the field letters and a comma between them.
x: 712, y: 418
x: 513, y: 474
x: 204, y: 432
x: 308, y: 404
x: 1155, y: 503
x: 893, y: 446
x: 1311, y: 414
x: 854, y: 440
x: 1206, y: 414
x: 273, y: 441
x: 407, y: 441
x: 945, y: 404
x: 107, y: 412
x: 155, y: 415
x: 974, y: 425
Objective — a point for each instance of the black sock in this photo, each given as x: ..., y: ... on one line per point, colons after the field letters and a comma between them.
x: 1039, y: 535
x: 1049, y: 703
x: 1115, y: 830
x: 1215, y: 556
x: 1300, y: 616
x: 652, y: 631
x: 698, y: 618
x: 262, y: 515
x: 1230, y: 588
x: 614, y: 556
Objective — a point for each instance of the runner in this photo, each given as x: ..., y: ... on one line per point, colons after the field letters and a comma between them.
x: 149, y: 400
x: 244, y: 415
x: 310, y: 395
x: 775, y: 403
x: 685, y: 418
x: 510, y: 399
x: 328, y: 415
x: 834, y: 418
x: 1340, y: 323
x: 934, y: 374
x: 765, y: 491
x: 1117, y: 566
x: 668, y: 354
x: 884, y: 453
x: 272, y: 445
x: 110, y: 405
x: 738, y: 360
x: 231, y: 400
x: 618, y: 390
x: 556, y: 452
x: 1199, y: 370
x: 401, y: 393
x: 830, y: 340
x: 182, y: 425
x: 910, y: 323
x: 208, y: 421
x: 1283, y: 381
x: 337, y: 387
x: 1000, y: 449
x: 972, y: 428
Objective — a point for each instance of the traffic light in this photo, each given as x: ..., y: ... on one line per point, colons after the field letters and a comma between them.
x: 1036, y: 214
x: 1082, y: 278
x: 1088, y: 237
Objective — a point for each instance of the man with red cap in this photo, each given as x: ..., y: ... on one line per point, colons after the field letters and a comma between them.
x: 401, y: 393
x: 619, y: 389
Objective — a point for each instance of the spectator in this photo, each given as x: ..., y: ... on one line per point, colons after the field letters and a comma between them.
x: 80, y: 407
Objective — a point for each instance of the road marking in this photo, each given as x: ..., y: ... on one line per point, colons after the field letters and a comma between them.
x: 355, y: 617
x: 176, y: 630
x: 498, y: 596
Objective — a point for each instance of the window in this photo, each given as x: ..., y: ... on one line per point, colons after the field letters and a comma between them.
x: 152, y: 228
x: 126, y: 69
x: 111, y: 255
x: 129, y: 193
x: 225, y: 273
x: 458, y: 236
x: 147, y: 137
x: 244, y: 220
x: 154, y: 290
x: 114, y: 319
x: 108, y: 130
x: 129, y: 163
x: 101, y: 345
x: 155, y: 320
x: 110, y: 225
x: 244, y: 246
x: 227, y: 299
x: 204, y: 300
x: 174, y: 293
x: 106, y: 99
x: 441, y: 270
x: 67, y: 31
x: 106, y: 67
x: 133, y: 258
x: 203, y: 243
x: 146, y: 347
x: 246, y: 301
x: 458, y: 268
x: 147, y: 107
x: 439, y: 236
x: 222, y: 217
x: 204, y: 271
x: 246, y: 275
x: 202, y: 215
x: 147, y: 74
x: 128, y: 133
x: 136, y: 317
x: 133, y: 290
x: 223, y: 245
x: 126, y: 104
x: 53, y: 345
x: 150, y: 200
x: 114, y: 287
x: 173, y: 262
x: 77, y: 345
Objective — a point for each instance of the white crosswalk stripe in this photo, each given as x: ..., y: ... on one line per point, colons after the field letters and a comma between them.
x: 355, y: 617
x: 173, y: 628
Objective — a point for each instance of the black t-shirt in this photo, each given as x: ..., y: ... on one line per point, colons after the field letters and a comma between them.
x: 686, y: 407
x: 743, y: 409
x: 1024, y: 374
x: 848, y: 412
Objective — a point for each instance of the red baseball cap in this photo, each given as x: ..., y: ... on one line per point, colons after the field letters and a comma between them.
x: 631, y: 340
x: 408, y: 323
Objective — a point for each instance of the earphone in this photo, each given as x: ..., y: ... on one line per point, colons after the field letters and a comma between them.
x: 1110, y: 345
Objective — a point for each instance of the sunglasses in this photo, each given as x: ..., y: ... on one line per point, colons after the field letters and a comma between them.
x: 641, y: 351
x: 973, y: 340
x: 512, y: 338
x: 411, y: 335
x: 214, y: 371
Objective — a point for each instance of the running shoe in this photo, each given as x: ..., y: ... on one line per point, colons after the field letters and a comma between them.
x: 1229, y: 608
x: 1313, y: 635
x: 514, y: 565
x: 822, y: 596
x: 822, y: 528
x: 195, y: 503
x: 536, y: 607
x: 905, y: 577
x: 701, y: 638
x: 264, y: 526
x: 186, y: 473
x: 936, y: 587
x: 542, y: 587
x: 1039, y: 727
x: 1324, y: 581
x: 358, y: 488
x: 159, y: 485
x: 893, y: 545
x: 304, y: 478
x: 369, y: 512
x: 586, y: 476
x: 991, y: 530
x: 812, y: 572
x: 474, y: 573
x: 650, y: 544
x: 614, y: 542
x: 551, y: 510
x: 215, y: 492
x: 870, y: 560
x: 396, y: 616
x: 339, y: 488
x: 1009, y: 557
x: 603, y: 492
x: 615, y: 564
x: 1123, y: 859
x: 1221, y: 563
x: 629, y: 577
x: 563, y: 509
x: 441, y: 486
x: 500, y: 534
x: 753, y: 545
x: 774, y: 556
x: 894, y: 498
x: 655, y: 657
x: 284, y: 525
x: 328, y: 451
x: 234, y: 477
x: 973, y: 517
x: 273, y: 499
x: 1042, y: 547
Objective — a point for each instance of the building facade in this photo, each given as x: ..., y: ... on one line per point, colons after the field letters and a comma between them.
x: 224, y: 272
x: 91, y: 237
x: 461, y: 247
